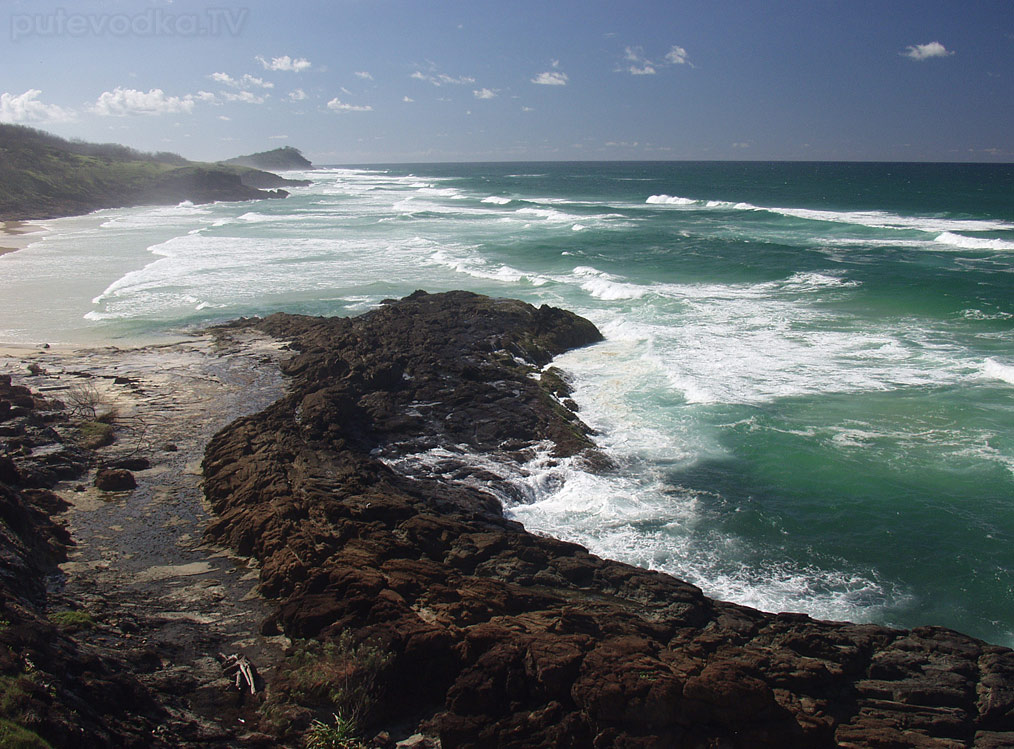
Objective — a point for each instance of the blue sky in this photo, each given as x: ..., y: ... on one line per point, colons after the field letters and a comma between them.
x: 369, y: 81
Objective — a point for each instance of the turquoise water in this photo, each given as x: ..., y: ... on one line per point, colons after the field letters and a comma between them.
x: 808, y: 377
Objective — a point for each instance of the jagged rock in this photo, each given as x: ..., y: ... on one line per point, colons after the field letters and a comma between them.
x: 503, y: 638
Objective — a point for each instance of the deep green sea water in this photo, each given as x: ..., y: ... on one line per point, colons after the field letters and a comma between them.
x: 808, y: 378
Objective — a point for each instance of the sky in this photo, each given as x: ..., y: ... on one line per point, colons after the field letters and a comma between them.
x: 398, y: 81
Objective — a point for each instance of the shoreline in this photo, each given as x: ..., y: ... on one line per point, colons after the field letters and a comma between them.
x: 349, y: 544
x: 138, y: 565
x: 357, y: 496
x: 16, y: 235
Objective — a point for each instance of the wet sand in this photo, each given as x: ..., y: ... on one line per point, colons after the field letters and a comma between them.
x: 15, y: 235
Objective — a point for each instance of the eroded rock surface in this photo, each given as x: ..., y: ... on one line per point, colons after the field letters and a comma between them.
x: 120, y: 644
x: 503, y: 638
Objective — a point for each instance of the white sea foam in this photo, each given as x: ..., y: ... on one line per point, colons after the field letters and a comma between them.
x: 817, y: 282
x: 547, y: 214
x: 440, y: 192
x: 156, y: 216
x: 671, y: 200
x: 978, y: 314
x: 755, y: 343
x: 633, y: 516
x: 886, y: 220
x: 497, y: 200
x: 466, y: 261
x: 607, y: 287
x: 205, y: 269
x: 995, y: 370
x: 870, y: 219
x: 975, y: 243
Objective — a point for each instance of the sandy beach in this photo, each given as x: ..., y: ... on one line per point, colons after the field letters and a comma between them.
x: 15, y: 235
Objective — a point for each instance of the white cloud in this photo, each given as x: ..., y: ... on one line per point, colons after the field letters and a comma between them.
x: 439, y: 79
x: 677, y: 56
x: 640, y: 65
x: 206, y: 96
x: 337, y: 106
x: 408, y: 99
x: 278, y: 137
x: 251, y: 81
x: 926, y: 51
x: 484, y: 93
x: 297, y: 95
x: 247, y: 81
x: 551, y: 79
x: 637, y: 64
x: 527, y: 109
x: 741, y: 144
x: 26, y: 107
x: 121, y: 102
x: 224, y: 118
x: 285, y: 63
x: 244, y: 97
x: 364, y: 75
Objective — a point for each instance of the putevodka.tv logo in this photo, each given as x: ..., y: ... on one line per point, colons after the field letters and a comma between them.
x: 152, y: 22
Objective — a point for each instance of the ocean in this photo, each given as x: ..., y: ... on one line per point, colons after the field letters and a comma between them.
x: 807, y: 382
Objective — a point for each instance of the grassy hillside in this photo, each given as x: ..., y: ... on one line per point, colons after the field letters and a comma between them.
x: 43, y: 176
x: 280, y: 159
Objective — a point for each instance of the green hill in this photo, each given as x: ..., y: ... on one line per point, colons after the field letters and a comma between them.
x: 280, y: 159
x: 44, y: 176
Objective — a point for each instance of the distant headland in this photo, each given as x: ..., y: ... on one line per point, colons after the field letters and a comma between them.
x: 45, y: 176
x: 282, y: 159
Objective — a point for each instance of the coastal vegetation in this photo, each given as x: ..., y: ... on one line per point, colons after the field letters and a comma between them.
x: 279, y: 159
x: 45, y: 176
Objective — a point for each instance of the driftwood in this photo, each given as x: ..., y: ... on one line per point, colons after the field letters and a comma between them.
x: 239, y: 665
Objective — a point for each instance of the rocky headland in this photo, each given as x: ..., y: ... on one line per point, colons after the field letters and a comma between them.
x: 43, y: 176
x: 399, y: 605
x: 393, y: 568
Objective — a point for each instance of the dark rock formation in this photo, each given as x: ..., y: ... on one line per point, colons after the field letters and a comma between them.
x: 503, y: 638
x: 51, y: 689
x: 115, y: 480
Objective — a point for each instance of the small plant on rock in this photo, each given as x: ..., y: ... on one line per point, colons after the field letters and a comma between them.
x: 339, y: 735
x: 72, y: 620
x: 342, y: 674
x: 340, y: 677
x: 95, y: 434
x: 84, y: 400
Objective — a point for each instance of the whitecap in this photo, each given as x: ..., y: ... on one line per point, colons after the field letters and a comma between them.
x: 670, y: 200
x: 547, y: 214
x: 994, y: 370
x: 975, y: 243
x: 885, y: 219
x: 978, y: 314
